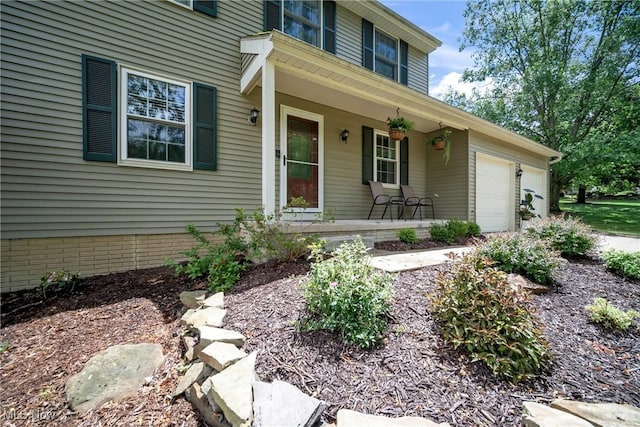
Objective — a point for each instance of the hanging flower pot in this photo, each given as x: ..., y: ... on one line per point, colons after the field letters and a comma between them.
x: 396, y: 134
x: 398, y: 126
x: 442, y: 142
x: 439, y: 144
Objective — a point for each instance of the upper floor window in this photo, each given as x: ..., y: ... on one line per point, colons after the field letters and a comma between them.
x: 386, y: 55
x: 302, y: 20
x: 209, y: 7
x: 386, y: 160
x: 155, y: 121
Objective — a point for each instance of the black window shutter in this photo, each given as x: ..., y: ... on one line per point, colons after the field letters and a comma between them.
x: 209, y: 7
x: 205, y: 131
x: 329, y: 26
x: 272, y: 14
x: 404, y: 161
x: 367, y: 44
x: 367, y: 154
x: 99, y: 109
x: 404, y: 62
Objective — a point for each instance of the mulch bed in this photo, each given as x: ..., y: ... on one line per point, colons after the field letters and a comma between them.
x: 425, y: 244
x: 411, y: 373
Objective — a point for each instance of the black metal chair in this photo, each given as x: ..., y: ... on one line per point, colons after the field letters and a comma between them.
x: 382, y: 199
x: 416, y: 203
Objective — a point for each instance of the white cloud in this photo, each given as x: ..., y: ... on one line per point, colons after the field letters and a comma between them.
x: 453, y: 81
x: 447, y: 56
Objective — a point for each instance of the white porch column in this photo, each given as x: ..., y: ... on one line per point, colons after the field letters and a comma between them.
x: 268, y: 138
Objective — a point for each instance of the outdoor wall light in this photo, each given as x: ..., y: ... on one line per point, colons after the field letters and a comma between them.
x: 344, y: 135
x: 519, y: 172
x: 253, y: 116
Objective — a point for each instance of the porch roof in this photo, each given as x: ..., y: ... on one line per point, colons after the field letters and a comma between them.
x: 302, y: 70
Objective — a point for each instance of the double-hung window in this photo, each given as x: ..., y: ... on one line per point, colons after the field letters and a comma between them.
x: 302, y: 20
x: 386, y: 160
x: 155, y: 118
x: 386, y: 55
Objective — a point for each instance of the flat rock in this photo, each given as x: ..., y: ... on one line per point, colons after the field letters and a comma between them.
x: 348, y: 418
x: 601, y: 414
x: 216, y: 300
x: 206, y: 389
x: 232, y: 390
x: 115, y: 373
x: 189, y: 344
x: 197, y: 398
x: 539, y: 415
x: 210, y: 334
x: 220, y: 355
x: 197, y: 373
x: 282, y: 404
x: 193, y: 299
x: 209, y: 316
x: 526, y: 284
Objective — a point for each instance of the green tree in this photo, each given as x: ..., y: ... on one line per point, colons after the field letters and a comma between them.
x: 560, y: 68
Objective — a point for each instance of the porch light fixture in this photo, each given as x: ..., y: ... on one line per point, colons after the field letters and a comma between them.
x: 519, y: 172
x: 344, y: 135
x: 253, y: 116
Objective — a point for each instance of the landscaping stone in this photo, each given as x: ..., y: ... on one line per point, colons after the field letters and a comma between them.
x: 526, y: 284
x: 232, y: 390
x: 282, y: 404
x: 196, y: 373
x: 193, y: 299
x: 215, y: 300
x: 601, y: 414
x: 115, y: 373
x: 219, y: 355
x: 210, y: 334
x: 348, y: 418
x: 189, y: 344
x: 210, y: 316
x: 539, y: 415
x: 206, y: 389
x: 198, y: 399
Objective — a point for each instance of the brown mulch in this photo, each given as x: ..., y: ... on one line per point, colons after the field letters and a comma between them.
x: 411, y: 373
x: 424, y: 244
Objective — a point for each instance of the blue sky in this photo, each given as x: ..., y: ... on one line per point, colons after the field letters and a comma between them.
x: 442, y: 19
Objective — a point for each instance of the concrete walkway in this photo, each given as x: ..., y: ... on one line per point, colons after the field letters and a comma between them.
x: 404, y: 261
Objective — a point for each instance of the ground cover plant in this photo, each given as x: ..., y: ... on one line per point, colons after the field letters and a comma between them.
x: 408, y: 235
x: 452, y: 230
x: 610, y: 316
x: 608, y: 216
x: 626, y: 264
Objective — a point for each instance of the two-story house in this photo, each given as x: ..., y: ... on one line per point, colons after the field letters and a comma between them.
x: 123, y: 121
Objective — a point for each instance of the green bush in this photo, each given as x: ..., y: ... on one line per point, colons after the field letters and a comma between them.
x: 479, y: 311
x: 519, y: 253
x: 220, y: 262
x: 626, y: 264
x: 611, y: 317
x: 408, y: 235
x: 346, y: 295
x: 567, y: 235
x: 452, y: 230
x: 57, y: 282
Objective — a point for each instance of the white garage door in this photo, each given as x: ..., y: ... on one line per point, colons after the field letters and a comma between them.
x: 494, y: 196
x: 535, y: 179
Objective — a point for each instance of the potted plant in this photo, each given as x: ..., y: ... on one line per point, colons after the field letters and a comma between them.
x: 442, y: 142
x: 398, y: 126
x: 526, y: 211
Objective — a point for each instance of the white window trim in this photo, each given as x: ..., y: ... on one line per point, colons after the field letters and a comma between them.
x: 123, y: 160
x: 397, y: 39
x: 186, y: 6
x: 285, y: 111
x: 320, y: 24
x: 377, y: 132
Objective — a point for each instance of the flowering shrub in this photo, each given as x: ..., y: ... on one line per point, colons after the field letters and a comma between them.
x: 610, y: 316
x: 519, y: 253
x: 478, y: 310
x: 626, y: 264
x: 346, y: 295
x: 565, y: 234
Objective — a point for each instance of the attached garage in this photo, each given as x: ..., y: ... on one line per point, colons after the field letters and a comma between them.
x: 495, y: 204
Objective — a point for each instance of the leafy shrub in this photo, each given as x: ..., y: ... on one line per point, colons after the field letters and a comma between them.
x: 610, y: 316
x: 408, y: 235
x: 57, y: 282
x: 567, y: 235
x: 479, y: 311
x: 626, y: 264
x: 452, y: 230
x: 519, y: 253
x: 267, y: 240
x: 220, y: 262
x: 346, y: 295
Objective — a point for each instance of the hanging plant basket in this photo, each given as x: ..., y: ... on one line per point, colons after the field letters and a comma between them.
x: 396, y: 134
x: 439, y: 144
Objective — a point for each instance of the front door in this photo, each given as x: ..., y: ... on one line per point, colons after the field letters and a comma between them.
x: 302, y: 163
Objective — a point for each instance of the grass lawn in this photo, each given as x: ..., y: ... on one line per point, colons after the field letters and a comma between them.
x: 609, y: 216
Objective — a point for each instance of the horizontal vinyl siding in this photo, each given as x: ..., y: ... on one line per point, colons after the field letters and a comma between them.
x: 418, y: 71
x: 348, y: 36
x: 48, y: 190
x: 449, y: 181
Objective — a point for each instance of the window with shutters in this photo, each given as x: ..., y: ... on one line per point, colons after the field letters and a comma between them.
x: 155, y: 121
x: 302, y: 20
x: 386, y: 160
x: 386, y: 55
x: 208, y: 7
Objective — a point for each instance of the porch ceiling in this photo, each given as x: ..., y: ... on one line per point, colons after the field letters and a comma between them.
x: 304, y: 71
